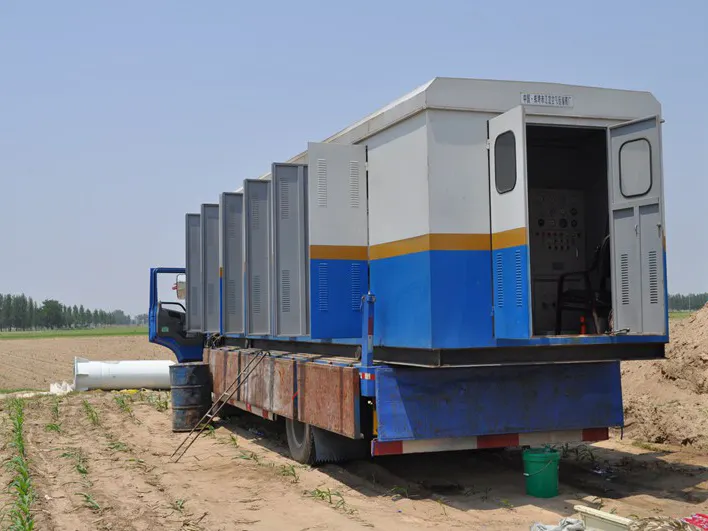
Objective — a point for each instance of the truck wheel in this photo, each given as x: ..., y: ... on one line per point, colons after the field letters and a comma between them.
x: 301, y: 441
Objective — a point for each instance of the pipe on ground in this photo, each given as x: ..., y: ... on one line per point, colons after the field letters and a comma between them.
x: 125, y: 374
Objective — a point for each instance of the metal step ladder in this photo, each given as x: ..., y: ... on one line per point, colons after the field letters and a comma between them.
x: 219, y: 403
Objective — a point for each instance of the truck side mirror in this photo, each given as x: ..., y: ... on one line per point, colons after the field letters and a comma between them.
x: 181, y: 286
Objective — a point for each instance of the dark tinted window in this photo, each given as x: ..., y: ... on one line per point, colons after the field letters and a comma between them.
x: 505, y: 162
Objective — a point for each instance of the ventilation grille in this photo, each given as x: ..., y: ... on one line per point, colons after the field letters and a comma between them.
x: 322, y: 183
x: 518, y: 280
x: 354, y: 184
x: 322, y: 287
x: 653, y: 278
x: 256, y: 294
x: 231, y: 300
x: 232, y: 229
x: 500, y: 279
x: 255, y: 213
x: 284, y: 200
x: 624, y: 278
x: 356, y: 287
x: 285, y: 290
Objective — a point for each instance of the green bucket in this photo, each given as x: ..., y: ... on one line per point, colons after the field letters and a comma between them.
x: 541, y: 472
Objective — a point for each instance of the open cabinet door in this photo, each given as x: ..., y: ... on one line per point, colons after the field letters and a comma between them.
x: 637, y: 228
x: 509, y: 220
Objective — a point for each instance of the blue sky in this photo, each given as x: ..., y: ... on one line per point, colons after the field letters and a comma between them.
x: 116, y: 118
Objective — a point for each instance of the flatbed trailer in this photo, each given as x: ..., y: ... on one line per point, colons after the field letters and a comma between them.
x: 465, y: 268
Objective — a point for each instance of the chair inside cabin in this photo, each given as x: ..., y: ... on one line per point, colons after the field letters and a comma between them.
x: 594, y: 298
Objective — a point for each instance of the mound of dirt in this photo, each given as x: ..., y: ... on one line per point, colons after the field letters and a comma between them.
x: 688, y: 353
x: 667, y: 401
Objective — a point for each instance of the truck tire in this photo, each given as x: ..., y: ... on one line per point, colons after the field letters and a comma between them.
x: 301, y: 441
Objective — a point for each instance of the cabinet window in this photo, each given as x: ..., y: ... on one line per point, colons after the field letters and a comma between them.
x: 505, y: 162
x: 635, y: 167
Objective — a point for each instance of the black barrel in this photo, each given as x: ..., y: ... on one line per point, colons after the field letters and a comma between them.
x: 191, y: 394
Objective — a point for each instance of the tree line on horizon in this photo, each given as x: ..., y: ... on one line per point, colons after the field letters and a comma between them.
x: 691, y: 301
x: 19, y: 312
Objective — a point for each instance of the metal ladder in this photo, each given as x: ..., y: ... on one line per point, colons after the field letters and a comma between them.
x: 219, y: 403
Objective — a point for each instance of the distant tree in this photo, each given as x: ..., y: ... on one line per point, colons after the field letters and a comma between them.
x: 19, y: 311
x: 52, y: 313
x: 691, y: 301
x: 96, y: 318
x: 8, y: 311
x: 31, y: 314
x: 118, y: 317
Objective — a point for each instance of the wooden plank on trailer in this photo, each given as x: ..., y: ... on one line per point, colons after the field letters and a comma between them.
x: 215, y: 367
x: 231, y: 370
x: 283, y: 388
x: 328, y: 397
x: 256, y: 389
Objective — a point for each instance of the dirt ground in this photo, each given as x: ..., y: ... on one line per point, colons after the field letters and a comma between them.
x: 117, y: 475
x: 37, y: 363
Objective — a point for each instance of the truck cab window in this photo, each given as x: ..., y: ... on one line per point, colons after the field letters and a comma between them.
x: 635, y: 167
x: 505, y: 162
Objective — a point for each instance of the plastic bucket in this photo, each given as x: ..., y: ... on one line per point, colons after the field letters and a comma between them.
x: 541, y: 472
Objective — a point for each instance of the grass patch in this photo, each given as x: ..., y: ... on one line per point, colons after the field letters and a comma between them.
x: 80, y: 462
x: 91, y: 413
x: 330, y: 496
x: 20, y: 390
x: 118, y: 446
x: 289, y: 471
x: 678, y: 315
x: 89, y: 501
x: 54, y: 409
x: 78, y: 332
x: 53, y: 427
x: 178, y: 505
x: 123, y: 403
x: 20, y: 515
x: 647, y: 446
x: 157, y: 399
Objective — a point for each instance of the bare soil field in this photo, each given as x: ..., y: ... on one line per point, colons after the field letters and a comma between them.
x: 115, y: 473
x: 37, y: 363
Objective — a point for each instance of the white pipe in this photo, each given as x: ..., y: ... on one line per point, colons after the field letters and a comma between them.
x: 128, y: 374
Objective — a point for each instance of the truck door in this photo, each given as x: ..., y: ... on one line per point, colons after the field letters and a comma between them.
x: 637, y: 229
x: 509, y: 225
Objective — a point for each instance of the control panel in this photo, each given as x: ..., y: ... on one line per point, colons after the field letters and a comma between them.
x: 557, y: 246
x: 557, y: 231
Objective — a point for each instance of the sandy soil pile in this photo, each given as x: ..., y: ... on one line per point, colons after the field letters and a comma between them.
x: 667, y: 401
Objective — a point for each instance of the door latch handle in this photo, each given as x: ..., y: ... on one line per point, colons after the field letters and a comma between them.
x: 636, y: 230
